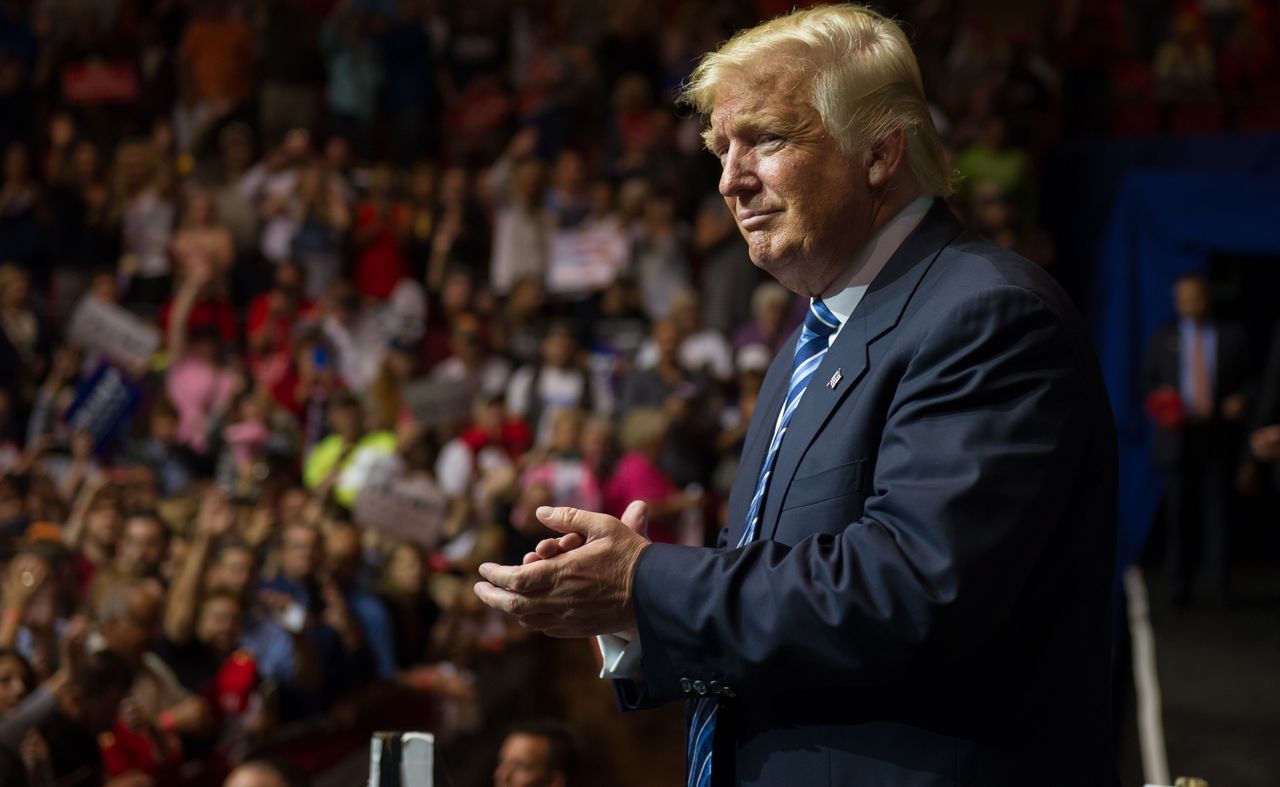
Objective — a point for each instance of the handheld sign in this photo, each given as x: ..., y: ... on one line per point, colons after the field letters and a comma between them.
x: 409, y: 509
x: 114, y: 332
x: 103, y: 406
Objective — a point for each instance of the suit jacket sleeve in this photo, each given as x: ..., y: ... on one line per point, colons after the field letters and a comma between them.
x: 634, y: 694
x: 985, y: 437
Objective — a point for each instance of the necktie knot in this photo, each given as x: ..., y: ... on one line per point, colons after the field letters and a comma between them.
x: 820, y: 320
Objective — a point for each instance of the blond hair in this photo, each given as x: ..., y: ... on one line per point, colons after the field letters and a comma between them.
x: 641, y: 427
x: 863, y: 78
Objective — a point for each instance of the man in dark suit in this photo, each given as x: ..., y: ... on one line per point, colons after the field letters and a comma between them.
x: 1204, y: 364
x: 914, y: 587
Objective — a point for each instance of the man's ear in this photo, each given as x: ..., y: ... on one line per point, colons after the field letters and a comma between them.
x: 885, y: 158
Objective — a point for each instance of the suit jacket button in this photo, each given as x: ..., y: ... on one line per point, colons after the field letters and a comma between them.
x: 685, y: 685
x: 715, y: 687
x: 699, y: 687
x: 728, y: 691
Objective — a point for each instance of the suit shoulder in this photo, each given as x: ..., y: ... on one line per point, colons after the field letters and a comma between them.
x: 973, y: 267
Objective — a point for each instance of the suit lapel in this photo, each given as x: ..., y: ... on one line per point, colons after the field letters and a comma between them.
x: 880, y: 310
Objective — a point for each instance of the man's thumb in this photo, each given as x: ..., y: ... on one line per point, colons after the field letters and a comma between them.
x: 636, y: 517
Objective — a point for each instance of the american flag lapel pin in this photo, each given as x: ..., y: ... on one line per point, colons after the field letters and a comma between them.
x: 835, y: 380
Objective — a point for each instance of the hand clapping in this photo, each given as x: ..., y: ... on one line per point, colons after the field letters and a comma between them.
x: 577, y: 585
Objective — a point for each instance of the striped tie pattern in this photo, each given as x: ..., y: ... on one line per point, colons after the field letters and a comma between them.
x: 819, y: 324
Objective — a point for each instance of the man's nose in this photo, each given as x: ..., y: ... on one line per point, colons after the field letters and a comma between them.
x: 737, y: 174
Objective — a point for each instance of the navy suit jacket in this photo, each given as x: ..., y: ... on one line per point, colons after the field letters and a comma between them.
x: 928, y: 602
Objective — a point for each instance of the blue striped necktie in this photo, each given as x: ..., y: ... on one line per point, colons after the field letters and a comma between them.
x: 819, y: 324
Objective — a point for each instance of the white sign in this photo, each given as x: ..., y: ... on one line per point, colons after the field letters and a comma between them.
x: 113, y: 331
x: 410, y: 509
x: 584, y: 260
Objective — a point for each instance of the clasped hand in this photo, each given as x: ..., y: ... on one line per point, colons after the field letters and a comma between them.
x: 577, y: 585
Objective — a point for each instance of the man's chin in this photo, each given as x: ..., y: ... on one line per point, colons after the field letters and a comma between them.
x: 783, y: 271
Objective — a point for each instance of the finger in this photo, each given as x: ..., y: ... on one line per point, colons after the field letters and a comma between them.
x: 571, y: 541
x: 530, y: 557
x: 566, y: 519
x: 532, y: 578
x: 539, y: 622
x: 547, y: 548
x: 501, y: 600
x: 636, y: 517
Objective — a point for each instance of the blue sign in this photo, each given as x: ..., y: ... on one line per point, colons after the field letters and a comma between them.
x: 104, y: 405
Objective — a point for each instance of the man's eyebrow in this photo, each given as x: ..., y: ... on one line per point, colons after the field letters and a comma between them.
x: 747, y: 125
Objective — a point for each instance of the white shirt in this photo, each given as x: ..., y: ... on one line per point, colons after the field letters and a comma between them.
x: 621, y: 652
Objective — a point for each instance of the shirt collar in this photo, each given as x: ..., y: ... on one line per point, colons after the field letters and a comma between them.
x: 875, y: 255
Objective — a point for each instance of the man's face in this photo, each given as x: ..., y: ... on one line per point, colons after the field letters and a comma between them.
x: 525, y: 761
x: 299, y: 553
x: 233, y: 570
x: 342, y: 553
x: 254, y: 775
x: 803, y: 206
x: 132, y: 635
x: 219, y: 624
x: 1191, y: 298
x: 141, y: 548
x: 13, y: 684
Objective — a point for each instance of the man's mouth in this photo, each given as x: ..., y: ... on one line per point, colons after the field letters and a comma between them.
x: 755, y: 219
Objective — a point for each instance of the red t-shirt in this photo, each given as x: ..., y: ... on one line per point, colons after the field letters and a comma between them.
x: 382, y: 263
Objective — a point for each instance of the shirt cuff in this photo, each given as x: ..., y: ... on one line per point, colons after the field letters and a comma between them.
x: 621, y: 656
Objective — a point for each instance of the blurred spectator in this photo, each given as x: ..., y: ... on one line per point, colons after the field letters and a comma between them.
x: 344, y: 565
x: 216, y: 63
x: 403, y: 590
x: 200, y: 235
x: 25, y: 343
x: 521, y: 222
x: 537, y: 754
x: 701, y: 350
x: 21, y: 209
x: 62, y: 720
x: 472, y: 363
x: 382, y: 227
x: 1203, y: 364
x: 267, y: 773
x: 644, y: 435
x: 661, y: 262
x: 291, y: 69
x: 1183, y: 67
x: 1264, y: 437
x: 355, y: 72
x: 768, y: 311
x: 409, y: 64
x: 559, y: 380
x: 559, y: 467
x: 140, y: 205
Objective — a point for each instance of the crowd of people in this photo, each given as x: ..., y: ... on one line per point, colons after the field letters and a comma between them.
x: 469, y: 252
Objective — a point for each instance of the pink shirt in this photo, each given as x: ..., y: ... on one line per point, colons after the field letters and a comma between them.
x: 195, y: 389
x: 638, y: 478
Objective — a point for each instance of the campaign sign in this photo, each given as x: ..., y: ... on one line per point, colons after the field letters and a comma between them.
x: 103, y: 405
x: 409, y: 509
x: 439, y: 403
x: 114, y: 332
x: 586, y: 259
